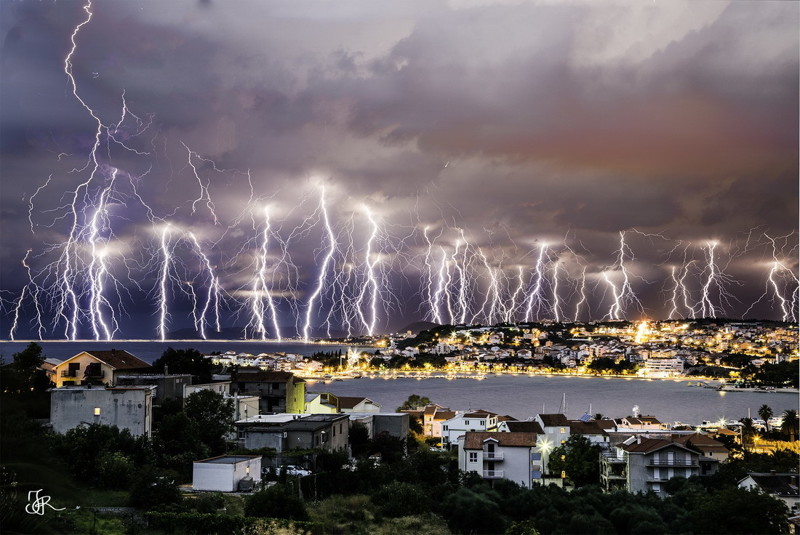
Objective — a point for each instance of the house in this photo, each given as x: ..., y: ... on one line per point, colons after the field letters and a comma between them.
x: 783, y: 486
x: 642, y: 464
x: 129, y: 407
x: 330, y: 432
x: 327, y: 403
x: 394, y: 424
x: 220, y: 387
x: 168, y: 386
x: 712, y: 452
x: 467, y: 421
x: 556, y: 433
x: 595, y: 431
x: 321, y: 403
x: 517, y: 426
x: 433, y: 416
x: 96, y: 367
x: 638, y: 424
x: 357, y: 404
x: 279, y: 391
x: 227, y: 473
x: 499, y: 455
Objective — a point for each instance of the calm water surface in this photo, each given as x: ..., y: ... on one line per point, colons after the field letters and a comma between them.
x: 518, y: 396
x: 522, y: 396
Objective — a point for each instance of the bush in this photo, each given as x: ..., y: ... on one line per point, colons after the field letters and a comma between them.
x: 401, y: 499
x: 278, y: 501
x: 153, y: 489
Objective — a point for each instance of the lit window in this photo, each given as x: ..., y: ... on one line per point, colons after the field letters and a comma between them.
x: 97, y: 411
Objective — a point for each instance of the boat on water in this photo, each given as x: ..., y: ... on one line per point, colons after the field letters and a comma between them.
x: 758, y: 389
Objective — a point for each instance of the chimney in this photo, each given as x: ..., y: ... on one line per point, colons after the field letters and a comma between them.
x: 638, y: 439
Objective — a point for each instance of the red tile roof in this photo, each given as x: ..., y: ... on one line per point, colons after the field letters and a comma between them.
x: 475, y: 440
x: 119, y: 359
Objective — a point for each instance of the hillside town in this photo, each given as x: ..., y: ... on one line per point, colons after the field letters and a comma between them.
x: 250, y: 428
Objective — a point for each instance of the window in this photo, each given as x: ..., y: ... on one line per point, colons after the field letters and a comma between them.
x: 444, y: 428
x: 563, y: 430
x: 466, y: 422
x: 473, y: 456
x: 483, y: 422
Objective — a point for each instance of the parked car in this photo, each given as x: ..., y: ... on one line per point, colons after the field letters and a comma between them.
x: 297, y: 471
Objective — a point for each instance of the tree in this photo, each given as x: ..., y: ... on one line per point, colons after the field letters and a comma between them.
x: 579, y: 459
x: 414, y: 402
x: 359, y: 439
x: 748, y: 431
x: 185, y: 361
x: 765, y: 413
x: 735, y: 510
x: 213, y: 415
x: 154, y: 489
x: 24, y: 375
x: 472, y: 511
x: 401, y: 499
x: 790, y: 423
x: 278, y: 501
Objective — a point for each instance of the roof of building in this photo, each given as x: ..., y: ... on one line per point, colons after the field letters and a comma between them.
x: 781, y: 484
x: 650, y: 445
x: 524, y: 427
x: 229, y: 459
x: 349, y: 402
x: 431, y: 409
x: 592, y: 427
x: 479, y: 414
x: 702, y: 442
x: 475, y: 440
x: 554, y: 420
x: 643, y: 420
x: 119, y: 359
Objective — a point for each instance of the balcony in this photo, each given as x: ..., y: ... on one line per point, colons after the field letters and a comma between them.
x: 492, y: 456
x: 493, y: 474
x: 673, y: 462
x: 69, y: 373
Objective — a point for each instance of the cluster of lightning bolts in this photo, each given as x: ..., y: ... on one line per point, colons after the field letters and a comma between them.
x: 85, y: 280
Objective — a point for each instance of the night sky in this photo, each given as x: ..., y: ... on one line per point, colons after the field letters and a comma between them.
x: 515, y: 132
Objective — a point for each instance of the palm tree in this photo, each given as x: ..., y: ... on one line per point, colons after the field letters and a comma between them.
x: 790, y: 423
x: 748, y: 431
x: 765, y: 413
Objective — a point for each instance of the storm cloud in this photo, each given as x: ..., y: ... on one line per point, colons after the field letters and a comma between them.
x: 507, y: 124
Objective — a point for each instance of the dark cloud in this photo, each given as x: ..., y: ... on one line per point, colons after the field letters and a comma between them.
x: 562, y: 122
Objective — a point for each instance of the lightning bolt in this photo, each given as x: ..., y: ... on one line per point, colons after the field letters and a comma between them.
x: 162, y: 284
x: 323, y: 268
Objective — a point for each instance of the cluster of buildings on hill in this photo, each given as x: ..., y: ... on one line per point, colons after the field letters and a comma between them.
x: 650, y: 350
x: 273, y: 409
x: 637, y: 453
x: 660, y: 349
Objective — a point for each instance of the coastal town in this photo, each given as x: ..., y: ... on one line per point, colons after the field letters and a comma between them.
x: 732, y: 353
x: 246, y: 429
